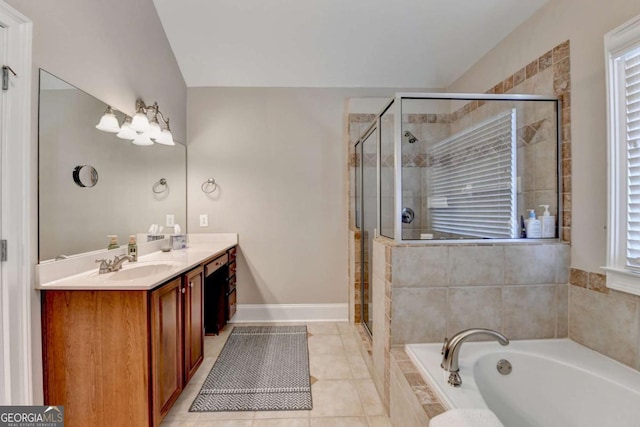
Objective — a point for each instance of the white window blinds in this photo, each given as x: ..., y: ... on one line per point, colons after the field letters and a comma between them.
x: 472, y: 180
x: 631, y: 66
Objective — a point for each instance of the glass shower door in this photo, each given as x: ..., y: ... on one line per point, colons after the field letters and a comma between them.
x: 369, y: 221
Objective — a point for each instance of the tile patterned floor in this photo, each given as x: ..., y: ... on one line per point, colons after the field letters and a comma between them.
x: 343, y: 395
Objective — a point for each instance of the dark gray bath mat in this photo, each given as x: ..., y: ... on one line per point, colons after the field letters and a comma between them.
x: 260, y: 368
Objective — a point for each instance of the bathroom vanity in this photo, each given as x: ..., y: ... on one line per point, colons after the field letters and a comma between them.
x: 119, y: 348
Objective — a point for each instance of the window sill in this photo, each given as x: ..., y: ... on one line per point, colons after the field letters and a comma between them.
x: 623, y: 280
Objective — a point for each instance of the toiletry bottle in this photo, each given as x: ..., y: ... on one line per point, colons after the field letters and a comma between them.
x: 548, y: 223
x: 113, y: 242
x: 132, y: 249
x: 534, y: 227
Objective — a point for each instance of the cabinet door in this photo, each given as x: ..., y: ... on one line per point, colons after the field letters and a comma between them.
x: 193, y: 323
x: 166, y: 347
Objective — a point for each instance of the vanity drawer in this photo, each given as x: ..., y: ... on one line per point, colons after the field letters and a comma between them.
x: 232, y: 254
x: 231, y: 284
x: 215, y: 264
x: 232, y: 268
x: 232, y: 305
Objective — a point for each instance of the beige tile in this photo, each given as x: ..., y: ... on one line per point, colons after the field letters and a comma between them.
x: 419, y: 315
x: 370, y: 398
x: 529, y: 311
x: 339, y: 422
x: 323, y: 328
x: 185, y: 400
x: 562, y: 292
x: 476, y: 265
x: 358, y: 366
x: 351, y: 345
x: 345, y: 328
x: 330, y: 366
x: 229, y: 415
x: 474, y: 307
x: 379, y: 421
x: 605, y: 323
x: 325, y: 344
x: 224, y: 423
x: 179, y: 423
x: 281, y: 422
x: 563, y: 262
x: 530, y: 264
x: 420, y: 266
x: 335, y: 398
x: 281, y: 414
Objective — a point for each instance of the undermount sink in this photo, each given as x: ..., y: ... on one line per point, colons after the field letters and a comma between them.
x: 134, y: 271
x: 140, y: 271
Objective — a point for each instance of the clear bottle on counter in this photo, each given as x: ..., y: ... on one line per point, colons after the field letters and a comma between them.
x: 132, y: 249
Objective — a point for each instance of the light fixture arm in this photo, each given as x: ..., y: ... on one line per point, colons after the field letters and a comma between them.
x: 142, y: 107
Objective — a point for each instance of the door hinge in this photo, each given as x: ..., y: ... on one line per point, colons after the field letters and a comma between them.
x: 5, y: 76
x: 3, y: 250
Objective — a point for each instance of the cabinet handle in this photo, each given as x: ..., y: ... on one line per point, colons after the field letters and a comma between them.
x: 191, y: 284
x: 184, y: 290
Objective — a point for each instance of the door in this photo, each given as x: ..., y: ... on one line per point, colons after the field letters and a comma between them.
x: 3, y: 300
x: 193, y: 323
x: 166, y: 347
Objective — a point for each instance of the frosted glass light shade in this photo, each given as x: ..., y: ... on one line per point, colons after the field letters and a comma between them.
x: 140, y: 122
x: 125, y: 130
x: 108, y: 122
x: 154, y: 129
x: 165, y: 138
x: 143, y: 139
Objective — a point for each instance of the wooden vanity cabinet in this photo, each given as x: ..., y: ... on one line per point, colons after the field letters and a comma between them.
x: 167, y: 375
x: 121, y: 358
x: 193, y: 322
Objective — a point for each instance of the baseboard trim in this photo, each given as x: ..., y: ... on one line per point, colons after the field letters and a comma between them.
x: 250, y: 313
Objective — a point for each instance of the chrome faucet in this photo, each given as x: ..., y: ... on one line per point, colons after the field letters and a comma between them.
x: 115, y: 265
x: 451, y: 349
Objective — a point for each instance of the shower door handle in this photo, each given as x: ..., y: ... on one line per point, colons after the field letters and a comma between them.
x: 408, y: 215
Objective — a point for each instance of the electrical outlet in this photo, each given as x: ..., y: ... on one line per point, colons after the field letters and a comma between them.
x: 171, y: 220
x: 204, y: 220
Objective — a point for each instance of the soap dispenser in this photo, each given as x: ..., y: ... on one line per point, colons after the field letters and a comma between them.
x: 548, y: 223
x: 132, y: 249
x: 533, y: 227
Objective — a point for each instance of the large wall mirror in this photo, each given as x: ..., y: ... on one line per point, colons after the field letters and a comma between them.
x: 93, y: 184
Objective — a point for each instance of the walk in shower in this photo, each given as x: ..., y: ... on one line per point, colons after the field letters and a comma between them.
x: 438, y: 168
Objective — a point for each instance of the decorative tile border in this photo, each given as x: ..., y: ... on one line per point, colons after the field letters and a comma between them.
x: 427, y: 398
x: 584, y: 279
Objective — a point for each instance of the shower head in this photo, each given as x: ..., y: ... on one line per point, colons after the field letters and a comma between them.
x: 410, y: 137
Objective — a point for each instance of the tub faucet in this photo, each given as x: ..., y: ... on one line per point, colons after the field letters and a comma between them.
x: 451, y: 349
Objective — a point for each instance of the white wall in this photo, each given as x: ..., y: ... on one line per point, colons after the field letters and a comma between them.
x: 280, y: 160
x: 584, y: 23
x: 116, y: 51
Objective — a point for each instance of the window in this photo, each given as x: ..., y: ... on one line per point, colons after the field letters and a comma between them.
x: 622, y: 49
x: 473, y: 180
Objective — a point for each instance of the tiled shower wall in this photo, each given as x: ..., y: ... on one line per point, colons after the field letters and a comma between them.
x: 423, y: 293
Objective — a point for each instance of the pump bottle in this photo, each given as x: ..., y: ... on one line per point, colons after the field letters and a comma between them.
x: 533, y: 227
x: 548, y: 223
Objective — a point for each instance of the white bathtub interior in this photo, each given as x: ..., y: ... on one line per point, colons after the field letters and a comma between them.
x: 554, y: 382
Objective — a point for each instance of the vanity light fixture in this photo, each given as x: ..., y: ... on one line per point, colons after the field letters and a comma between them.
x: 125, y: 130
x: 139, y: 128
x: 108, y: 122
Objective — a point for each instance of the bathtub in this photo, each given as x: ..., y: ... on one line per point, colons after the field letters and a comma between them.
x: 553, y: 383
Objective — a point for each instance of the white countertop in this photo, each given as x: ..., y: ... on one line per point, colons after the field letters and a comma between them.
x: 172, y: 264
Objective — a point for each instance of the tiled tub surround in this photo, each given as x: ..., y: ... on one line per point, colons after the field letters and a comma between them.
x: 423, y: 293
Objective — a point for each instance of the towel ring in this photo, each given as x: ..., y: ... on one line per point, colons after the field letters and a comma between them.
x: 157, y: 185
x: 209, y: 186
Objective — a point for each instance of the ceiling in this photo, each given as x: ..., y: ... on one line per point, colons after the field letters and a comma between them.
x: 335, y: 43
